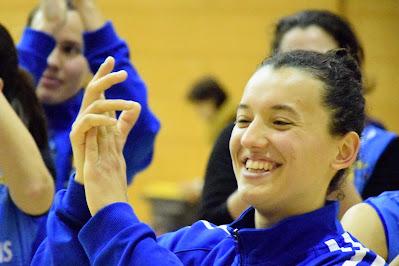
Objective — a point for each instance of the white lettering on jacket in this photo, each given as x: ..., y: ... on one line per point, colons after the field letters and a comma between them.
x: 5, y: 251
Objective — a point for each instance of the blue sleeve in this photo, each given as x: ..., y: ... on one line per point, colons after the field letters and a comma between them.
x: 114, y: 236
x: 387, y: 207
x: 33, y: 50
x: 67, y: 216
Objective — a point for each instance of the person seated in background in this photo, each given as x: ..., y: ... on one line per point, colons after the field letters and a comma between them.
x: 26, y: 181
x: 285, y: 165
x: 375, y: 222
x: 64, y: 41
x: 376, y: 169
x: 212, y: 104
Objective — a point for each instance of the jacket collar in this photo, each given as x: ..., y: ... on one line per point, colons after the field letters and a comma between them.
x: 286, y: 240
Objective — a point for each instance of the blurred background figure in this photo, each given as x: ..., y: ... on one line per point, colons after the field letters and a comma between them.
x: 62, y: 45
x: 26, y: 168
x: 212, y: 104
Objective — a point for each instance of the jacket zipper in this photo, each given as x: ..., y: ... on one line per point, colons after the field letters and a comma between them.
x: 237, y: 239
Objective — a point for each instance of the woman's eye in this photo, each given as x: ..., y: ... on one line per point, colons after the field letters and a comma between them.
x: 281, y: 123
x: 242, y: 122
x: 70, y: 49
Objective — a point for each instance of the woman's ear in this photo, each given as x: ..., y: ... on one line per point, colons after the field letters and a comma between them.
x: 347, y: 151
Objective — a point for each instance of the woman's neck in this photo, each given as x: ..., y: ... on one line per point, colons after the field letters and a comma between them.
x: 268, y: 218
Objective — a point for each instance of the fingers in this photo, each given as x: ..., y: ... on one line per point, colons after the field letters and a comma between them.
x: 102, y: 81
x: 108, y: 106
x: 91, y: 146
x: 53, y: 9
x: 96, y: 116
x: 106, y: 67
x: 103, y: 140
x: 95, y: 89
x: 83, y: 125
x: 125, y: 123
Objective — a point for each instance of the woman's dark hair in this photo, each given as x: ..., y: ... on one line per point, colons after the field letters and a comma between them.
x: 19, y: 91
x: 207, y: 88
x: 334, y: 25
x: 342, y: 95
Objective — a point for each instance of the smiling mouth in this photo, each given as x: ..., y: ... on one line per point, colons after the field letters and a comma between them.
x: 255, y: 166
x: 50, y: 82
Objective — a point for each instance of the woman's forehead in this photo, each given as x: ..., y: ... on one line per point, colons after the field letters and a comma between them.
x: 283, y: 86
x: 268, y: 78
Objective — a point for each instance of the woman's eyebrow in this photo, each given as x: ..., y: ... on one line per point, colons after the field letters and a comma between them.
x: 286, y: 108
x: 277, y: 107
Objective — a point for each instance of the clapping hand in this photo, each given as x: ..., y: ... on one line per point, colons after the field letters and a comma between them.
x: 98, y: 138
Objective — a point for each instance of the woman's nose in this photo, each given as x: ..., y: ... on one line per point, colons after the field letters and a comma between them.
x: 255, y: 135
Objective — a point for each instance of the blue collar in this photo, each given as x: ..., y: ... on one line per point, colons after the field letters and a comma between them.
x: 298, y: 233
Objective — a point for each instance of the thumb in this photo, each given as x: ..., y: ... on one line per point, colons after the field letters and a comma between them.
x: 91, y: 146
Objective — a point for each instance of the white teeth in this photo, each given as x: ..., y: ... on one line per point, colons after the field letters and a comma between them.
x: 257, y: 165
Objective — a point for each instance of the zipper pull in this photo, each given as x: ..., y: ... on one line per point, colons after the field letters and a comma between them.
x: 235, y: 234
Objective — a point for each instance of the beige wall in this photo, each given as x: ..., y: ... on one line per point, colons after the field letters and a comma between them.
x: 377, y: 24
x: 175, y: 41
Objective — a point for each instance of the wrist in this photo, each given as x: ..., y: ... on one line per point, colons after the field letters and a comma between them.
x: 105, y: 203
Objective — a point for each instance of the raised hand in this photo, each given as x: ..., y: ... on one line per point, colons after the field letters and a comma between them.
x: 90, y: 14
x: 104, y: 167
x: 91, y: 110
x: 50, y: 17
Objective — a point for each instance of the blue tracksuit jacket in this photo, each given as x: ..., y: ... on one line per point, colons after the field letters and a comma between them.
x: 114, y: 236
x: 18, y: 232
x: 387, y: 207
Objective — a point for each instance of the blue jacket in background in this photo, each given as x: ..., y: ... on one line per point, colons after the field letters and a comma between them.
x: 33, y: 50
x: 387, y: 207
x: 18, y: 232
x: 115, y: 236
x: 374, y: 141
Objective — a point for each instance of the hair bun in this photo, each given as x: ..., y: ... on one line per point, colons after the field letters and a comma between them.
x: 343, y: 56
x: 340, y: 52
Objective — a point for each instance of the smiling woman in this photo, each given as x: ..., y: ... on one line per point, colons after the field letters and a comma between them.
x: 285, y: 165
x: 288, y: 123
x: 320, y: 31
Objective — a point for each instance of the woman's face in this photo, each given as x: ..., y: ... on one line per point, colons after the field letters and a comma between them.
x: 311, y: 38
x: 66, y: 66
x: 281, y: 147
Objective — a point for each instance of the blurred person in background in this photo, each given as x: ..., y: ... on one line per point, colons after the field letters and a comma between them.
x: 212, y: 104
x: 26, y: 168
x: 63, y: 43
